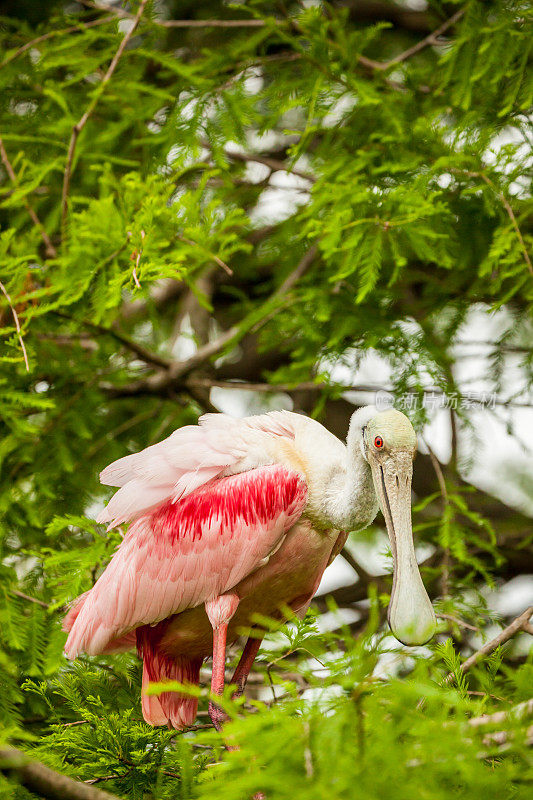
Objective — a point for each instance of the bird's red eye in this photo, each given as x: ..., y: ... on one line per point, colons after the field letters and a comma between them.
x: 378, y: 442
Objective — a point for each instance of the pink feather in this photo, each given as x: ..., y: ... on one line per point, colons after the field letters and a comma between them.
x: 185, y: 553
x: 187, y: 459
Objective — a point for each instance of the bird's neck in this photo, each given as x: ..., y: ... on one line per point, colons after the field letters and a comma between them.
x: 352, y: 501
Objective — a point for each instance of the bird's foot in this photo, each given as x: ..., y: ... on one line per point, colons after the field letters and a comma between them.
x: 240, y: 684
x: 218, y: 717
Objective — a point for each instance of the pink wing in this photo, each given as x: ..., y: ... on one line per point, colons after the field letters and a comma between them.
x: 187, y: 459
x: 187, y: 552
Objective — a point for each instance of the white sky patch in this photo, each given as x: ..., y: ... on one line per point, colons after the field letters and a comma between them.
x: 276, y: 204
x: 339, y: 110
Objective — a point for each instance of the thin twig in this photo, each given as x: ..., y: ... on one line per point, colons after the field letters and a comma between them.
x: 76, y: 723
x: 17, y: 324
x: 165, y: 380
x: 445, y: 577
x: 460, y: 622
x: 50, y: 249
x: 80, y: 26
x: 145, y: 355
x: 79, y: 126
x: 30, y: 599
x: 300, y: 270
x: 129, y: 423
x: 176, y: 371
x: 136, y: 256
x: 431, y: 39
x: 213, y: 23
x: 516, y: 625
x: 161, y: 292
x: 510, y: 213
x: 272, y: 163
x: 212, y: 256
x: 438, y: 473
x: 102, y: 778
x: 284, y: 289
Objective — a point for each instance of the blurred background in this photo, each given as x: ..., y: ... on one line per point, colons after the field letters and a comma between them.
x: 251, y: 206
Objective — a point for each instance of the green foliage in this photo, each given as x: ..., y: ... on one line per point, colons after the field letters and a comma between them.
x: 312, y: 192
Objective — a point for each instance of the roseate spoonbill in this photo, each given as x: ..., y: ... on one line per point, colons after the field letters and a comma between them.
x: 234, y: 517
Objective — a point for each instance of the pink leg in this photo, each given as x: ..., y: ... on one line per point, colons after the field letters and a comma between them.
x: 220, y: 611
x: 240, y: 676
x: 218, y: 717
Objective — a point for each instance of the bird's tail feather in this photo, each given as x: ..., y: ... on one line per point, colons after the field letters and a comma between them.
x: 168, y: 707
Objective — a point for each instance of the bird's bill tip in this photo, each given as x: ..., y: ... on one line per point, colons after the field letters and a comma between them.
x: 416, y: 627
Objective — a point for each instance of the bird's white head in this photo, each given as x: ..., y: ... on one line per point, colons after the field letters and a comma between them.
x: 388, y: 443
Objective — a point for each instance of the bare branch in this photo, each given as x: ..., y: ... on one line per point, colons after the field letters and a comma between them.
x: 47, y: 782
x: 300, y: 270
x: 140, y: 351
x: 173, y: 376
x: 50, y: 249
x: 182, y: 23
x: 79, y: 126
x: 516, y: 625
x: 312, y: 386
x: 517, y: 713
x: 431, y: 39
x: 271, y: 163
x: 17, y: 324
x: 213, y: 23
x: 361, y: 573
x: 161, y: 382
x: 161, y: 293
x: 445, y: 577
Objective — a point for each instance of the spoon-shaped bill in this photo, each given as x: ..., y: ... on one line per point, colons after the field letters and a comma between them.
x: 411, y: 616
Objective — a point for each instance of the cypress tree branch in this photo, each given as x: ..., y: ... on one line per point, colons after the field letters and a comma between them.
x: 431, y: 39
x: 173, y: 376
x: 508, y: 209
x: 212, y: 23
x: 80, y: 26
x: 140, y: 351
x: 45, y: 781
x: 518, y: 624
x: 517, y: 713
x: 80, y: 125
x: 50, y: 249
x: 30, y: 599
x: 272, y: 163
x: 312, y: 386
x: 17, y: 323
x: 161, y: 382
x: 181, y: 23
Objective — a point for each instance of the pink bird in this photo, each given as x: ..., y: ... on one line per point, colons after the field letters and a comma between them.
x: 237, y: 517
